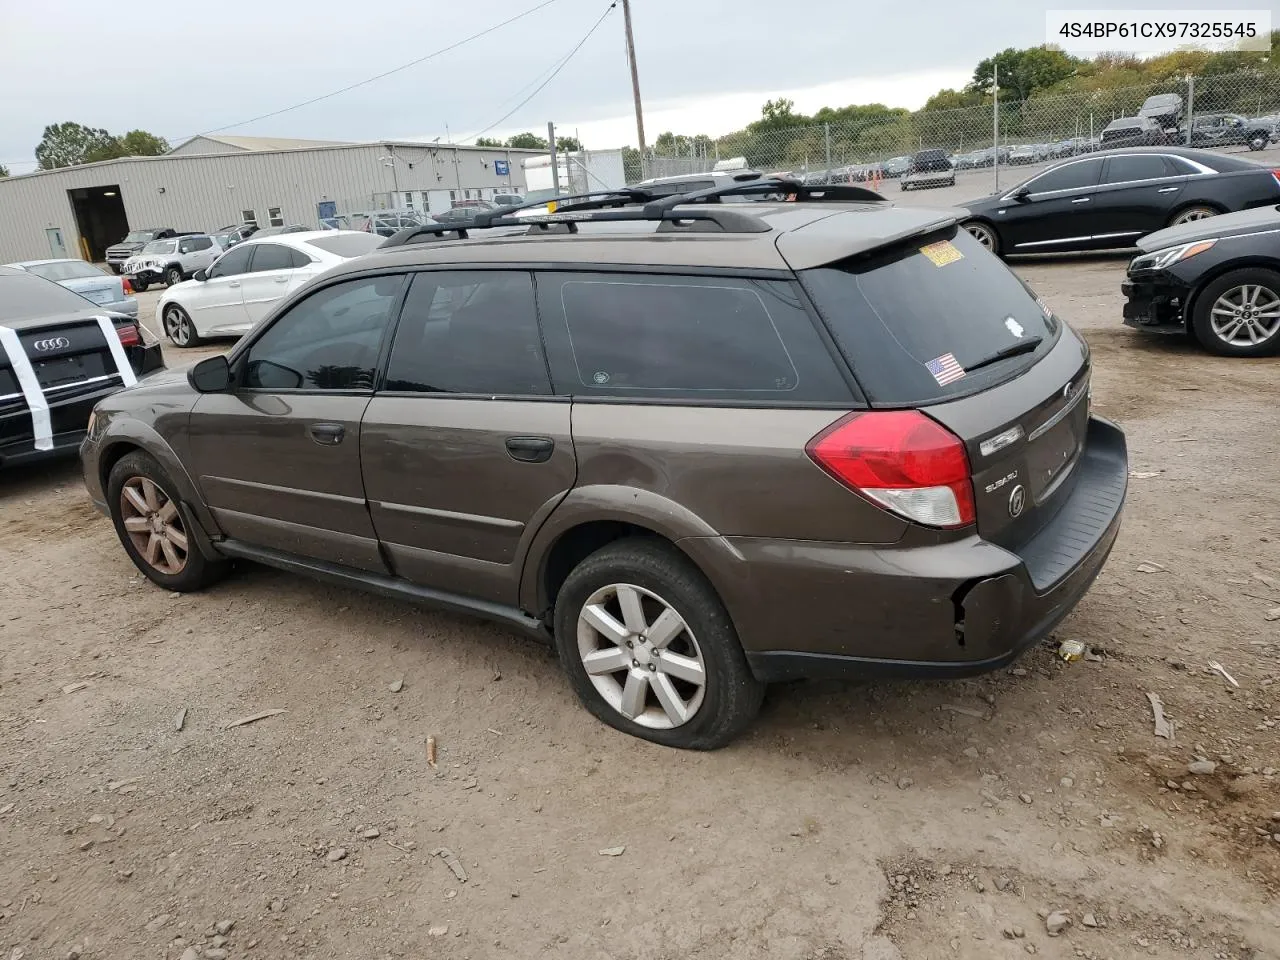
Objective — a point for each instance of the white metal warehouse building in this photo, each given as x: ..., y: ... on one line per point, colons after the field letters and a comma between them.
x: 210, y: 182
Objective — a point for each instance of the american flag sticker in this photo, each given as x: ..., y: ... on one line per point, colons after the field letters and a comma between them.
x: 945, y: 369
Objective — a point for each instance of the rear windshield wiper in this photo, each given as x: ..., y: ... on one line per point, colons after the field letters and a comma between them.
x: 1013, y: 350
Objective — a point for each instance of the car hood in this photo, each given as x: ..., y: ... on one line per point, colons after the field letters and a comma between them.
x: 1226, y: 225
x: 56, y: 319
x: 126, y: 246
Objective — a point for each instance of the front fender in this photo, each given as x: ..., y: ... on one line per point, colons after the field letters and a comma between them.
x: 119, y: 434
x: 714, y: 555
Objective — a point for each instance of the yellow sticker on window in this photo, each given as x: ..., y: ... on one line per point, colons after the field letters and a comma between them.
x: 942, y: 253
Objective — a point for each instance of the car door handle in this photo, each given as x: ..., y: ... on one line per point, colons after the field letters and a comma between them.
x: 327, y: 434
x: 1168, y: 190
x: 282, y: 279
x: 234, y: 283
x: 530, y: 449
x: 1081, y: 200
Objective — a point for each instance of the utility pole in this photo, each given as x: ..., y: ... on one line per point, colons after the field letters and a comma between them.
x: 635, y: 79
x: 1191, y: 106
x: 555, y: 160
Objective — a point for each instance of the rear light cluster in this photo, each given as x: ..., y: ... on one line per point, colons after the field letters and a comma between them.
x: 128, y: 334
x: 126, y: 285
x: 902, y: 461
x: 1275, y: 175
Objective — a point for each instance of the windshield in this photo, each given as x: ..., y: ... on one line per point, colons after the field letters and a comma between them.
x: 66, y: 270
x: 139, y: 236
x: 161, y: 246
x: 939, y: 300
x: 24, y: 296
x: 347, y: 245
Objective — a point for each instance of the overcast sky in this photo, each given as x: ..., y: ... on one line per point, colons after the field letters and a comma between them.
x: 706, y: 66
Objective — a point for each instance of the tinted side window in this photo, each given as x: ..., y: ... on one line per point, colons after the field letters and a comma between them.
x: 232, y: 264
x: 272, y: 256
x: 1140, y: 167
x: 696, y: 338
x: 1181, y: 166
x: 297, y: 258
x: 1072, y: 176
x: 199, y: 243
x: 469, y: 332
x: 329, y: 341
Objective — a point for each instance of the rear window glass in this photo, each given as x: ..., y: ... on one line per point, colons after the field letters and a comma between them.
x: 24, y: 296
x: 347, y: 244
x: 909, y: 318
x: 66, y: 270
x: 697, y: 338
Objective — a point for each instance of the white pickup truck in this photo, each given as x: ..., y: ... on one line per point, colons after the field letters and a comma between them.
x: 171, y: 261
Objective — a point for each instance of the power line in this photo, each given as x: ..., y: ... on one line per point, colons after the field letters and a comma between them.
x: 405, y: 66
x: 563, y: 63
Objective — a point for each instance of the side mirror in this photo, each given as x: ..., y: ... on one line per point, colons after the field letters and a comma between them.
x: 201, y: 274
x: 1021, y: 194
x: 211, y: 375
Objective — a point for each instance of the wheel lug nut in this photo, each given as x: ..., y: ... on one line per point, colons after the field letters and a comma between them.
x: 653, y: 667
x: 635, y: 663
x: 630, y: 644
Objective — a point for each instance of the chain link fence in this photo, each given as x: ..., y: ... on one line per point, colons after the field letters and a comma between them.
x: 1233, y: 111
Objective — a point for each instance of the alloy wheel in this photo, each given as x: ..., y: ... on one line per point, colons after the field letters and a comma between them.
x: 641, y: 656
x: 177, y: 326
x: 173, y: 278
x: 982, y: 234
x: 1195, y: 213
x: 154, y: 525
x: 1246, y: 315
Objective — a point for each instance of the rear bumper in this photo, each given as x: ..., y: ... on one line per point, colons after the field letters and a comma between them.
x: 947, y: 609
x: 1156, y: 303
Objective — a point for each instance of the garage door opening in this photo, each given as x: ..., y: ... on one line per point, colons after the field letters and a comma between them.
x: 100, y: 218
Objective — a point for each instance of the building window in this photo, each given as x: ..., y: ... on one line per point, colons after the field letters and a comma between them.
x: 453, y: 196
x: 473, y: 194
x: 248, y: 216
x: 408, y: 199
x: 273, y: 214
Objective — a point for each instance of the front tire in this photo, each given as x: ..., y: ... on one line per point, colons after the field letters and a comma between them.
x: 1258, y: 141
x: 140, y: 285
x: 144, y: 509
x: 985, y: 234
x: 172, y: 277
x: 179, y: 328
x: 651, y: 651
x: 115, y: 268
x: 1238, y: 314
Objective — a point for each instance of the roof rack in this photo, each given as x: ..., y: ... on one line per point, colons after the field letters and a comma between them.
x: 611, y: 207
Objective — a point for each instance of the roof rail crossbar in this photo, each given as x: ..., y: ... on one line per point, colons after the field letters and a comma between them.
x: 830, y: 193
x: 577, y: 201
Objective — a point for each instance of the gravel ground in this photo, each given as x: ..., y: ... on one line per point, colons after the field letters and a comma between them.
x: 871, y: 821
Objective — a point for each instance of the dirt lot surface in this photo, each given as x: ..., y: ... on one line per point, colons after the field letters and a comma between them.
x: 854, y: 822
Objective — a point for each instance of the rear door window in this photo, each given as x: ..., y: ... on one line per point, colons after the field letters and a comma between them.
x: 1139, y: 166
x: 684, y: 338
x: 908, y: 318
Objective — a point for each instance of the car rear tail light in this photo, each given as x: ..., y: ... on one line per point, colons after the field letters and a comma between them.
x: 126, y: 285
x: 902, y: 461
x: 128, y: 334
x: 1275, y: 175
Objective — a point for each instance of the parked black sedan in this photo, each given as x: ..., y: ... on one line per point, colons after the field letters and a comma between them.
x: 59, y: 355
x: 1218, y: 280
x: 1107, y: 200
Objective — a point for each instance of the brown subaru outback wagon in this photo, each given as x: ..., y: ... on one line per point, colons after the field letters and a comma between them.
x: 698, y: 445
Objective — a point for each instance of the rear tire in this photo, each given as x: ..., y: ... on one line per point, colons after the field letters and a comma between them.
x: 666, y: 662
x: 179, y: 328
x: 985, y: 234
x: 172, y: 277
x: 1189, y: 214
x: 1238, y: 314
x: 144, y: 509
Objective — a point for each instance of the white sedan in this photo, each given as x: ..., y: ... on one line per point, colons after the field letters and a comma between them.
x: 245, y: 282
